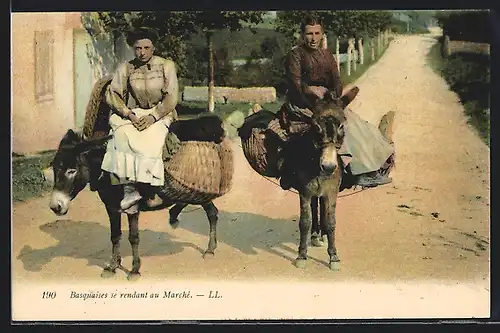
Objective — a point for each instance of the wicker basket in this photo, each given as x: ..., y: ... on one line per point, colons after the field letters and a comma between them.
x: 199, y: 172
x: 97, y: 114
x: 261, y: 152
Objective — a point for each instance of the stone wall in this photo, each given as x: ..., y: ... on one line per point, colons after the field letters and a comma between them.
x: 450, y: 47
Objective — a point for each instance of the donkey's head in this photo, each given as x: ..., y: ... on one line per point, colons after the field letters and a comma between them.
x: 71, y: 169
x: 328, y: 128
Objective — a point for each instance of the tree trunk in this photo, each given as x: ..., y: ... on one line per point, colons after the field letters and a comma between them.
x: 211, y: 104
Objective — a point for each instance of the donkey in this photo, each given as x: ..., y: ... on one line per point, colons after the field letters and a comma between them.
x: 77, y: 159
x: 318, y: 172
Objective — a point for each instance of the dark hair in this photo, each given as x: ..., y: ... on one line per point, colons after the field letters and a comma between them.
x: 311, y: 19
x: 141, y: 33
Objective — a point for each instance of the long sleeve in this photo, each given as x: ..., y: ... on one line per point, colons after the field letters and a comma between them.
x: 170, y: 91
x: 115, y: 93
x: 296, y: 86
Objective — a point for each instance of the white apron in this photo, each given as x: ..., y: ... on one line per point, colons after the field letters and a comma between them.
x: 134, y: 156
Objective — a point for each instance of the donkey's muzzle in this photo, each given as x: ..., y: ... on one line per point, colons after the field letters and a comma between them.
x: 59, y: 203
x: 57, y: 209
x: 328, y: 169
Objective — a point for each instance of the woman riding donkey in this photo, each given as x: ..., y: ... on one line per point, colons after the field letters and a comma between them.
x: 311, y: 71
x: 142, y: 95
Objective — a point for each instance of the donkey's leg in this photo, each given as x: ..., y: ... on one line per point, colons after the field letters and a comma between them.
x: 213, y: 217
x: 305, y: 229
x: 322, y: 214
x: 329, y: 221
x: 133, y: 238
x: 316, y: 239
x: 116, y: 234
x: 174, y: 214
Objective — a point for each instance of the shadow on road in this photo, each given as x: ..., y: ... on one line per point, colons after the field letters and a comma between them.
x: 247, y: 232
x: 89, y: 240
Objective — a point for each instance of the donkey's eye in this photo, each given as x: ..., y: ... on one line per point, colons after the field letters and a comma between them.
x: 341, y: 128
x: 70, y: 173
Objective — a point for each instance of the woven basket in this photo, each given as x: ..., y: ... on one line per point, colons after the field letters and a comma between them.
x: 97, y: 114
x: 199, y: 172
x: 261, y: 153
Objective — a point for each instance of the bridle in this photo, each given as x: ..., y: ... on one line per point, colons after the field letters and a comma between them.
x: 326, y: 140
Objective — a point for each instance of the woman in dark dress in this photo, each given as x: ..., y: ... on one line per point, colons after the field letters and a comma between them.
x: 311, y: 70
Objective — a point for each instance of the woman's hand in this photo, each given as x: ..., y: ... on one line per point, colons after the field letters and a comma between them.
x: 318, y: 91
x: 134, y: 119
x: 145, y: 121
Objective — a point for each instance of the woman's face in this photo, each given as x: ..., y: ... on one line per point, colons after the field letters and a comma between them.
x: 313, y: 34
x: 143, y: 49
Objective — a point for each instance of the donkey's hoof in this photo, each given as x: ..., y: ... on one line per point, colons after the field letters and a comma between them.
x: 174, y: 223
x: 317, y: 242
x: 334, y: 265
x: 107, y: 273
x: 300, y: 263
x: 208, y: 255
x: 133, y: 276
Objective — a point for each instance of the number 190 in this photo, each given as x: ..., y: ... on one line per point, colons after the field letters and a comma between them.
x: 49, y: 294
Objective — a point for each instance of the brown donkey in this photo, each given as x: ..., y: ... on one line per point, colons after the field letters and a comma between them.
x: 318, y: 172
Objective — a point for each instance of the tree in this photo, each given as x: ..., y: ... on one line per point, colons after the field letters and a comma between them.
x: 208, y: 22
x: 269, y: 47
x: 473, y: 26
x: 341, y: 23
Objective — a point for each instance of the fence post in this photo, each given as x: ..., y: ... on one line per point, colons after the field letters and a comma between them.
x: 379, y: 44
x: 445, y: 47
x: 361, y: 51
x: 348, y: 62
x: 372, y: 49
x: 337, y: 53
x: 352, y: 52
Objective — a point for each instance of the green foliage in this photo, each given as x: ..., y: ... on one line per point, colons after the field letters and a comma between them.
x: 270, y: 73
x: 470, y: 26
x: 421, y: 18
x: 27, y: 178
x: 239, y: 43
x: 340, y: 23
x: 414, y: 27
x: 469, y: 76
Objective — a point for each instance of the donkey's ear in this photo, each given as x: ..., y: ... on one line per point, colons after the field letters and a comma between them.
x: 71, y: 136
x: 349, y: 96
x: 70, y: 140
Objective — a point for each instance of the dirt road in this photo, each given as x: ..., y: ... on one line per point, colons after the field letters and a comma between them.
x: 430, y: 224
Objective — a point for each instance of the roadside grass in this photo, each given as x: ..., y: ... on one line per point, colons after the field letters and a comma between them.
x: 468, y: 75
x: 27, y: 177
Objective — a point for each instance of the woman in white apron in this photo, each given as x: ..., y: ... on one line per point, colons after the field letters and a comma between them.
x: 142, y: 95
